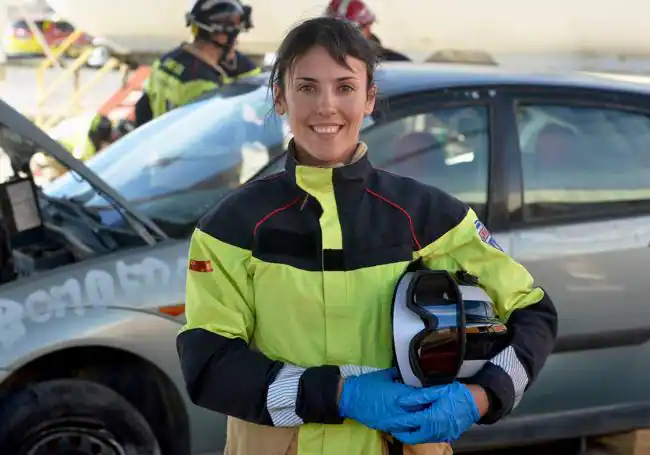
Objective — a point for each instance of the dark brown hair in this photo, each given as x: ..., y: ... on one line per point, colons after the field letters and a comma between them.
x: 339, y: 37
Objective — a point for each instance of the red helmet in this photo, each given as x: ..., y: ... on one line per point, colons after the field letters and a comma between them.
x: 356, y: 11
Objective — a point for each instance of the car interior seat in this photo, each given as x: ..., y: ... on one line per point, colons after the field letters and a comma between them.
x: 557, y: 146
x: 558, y: 160
x: 419, y: 155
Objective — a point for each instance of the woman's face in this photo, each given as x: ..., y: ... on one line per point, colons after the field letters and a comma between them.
x: 325, y: 104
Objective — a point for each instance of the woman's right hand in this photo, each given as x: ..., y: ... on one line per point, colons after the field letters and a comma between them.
x: 373, y: 400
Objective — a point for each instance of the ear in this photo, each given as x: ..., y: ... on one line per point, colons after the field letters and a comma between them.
x: 372, y: 97
x: 278, y: 100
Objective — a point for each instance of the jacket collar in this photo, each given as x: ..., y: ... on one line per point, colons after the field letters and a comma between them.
x: 311, y: 178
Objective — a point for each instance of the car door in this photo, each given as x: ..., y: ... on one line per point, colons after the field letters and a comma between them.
x: 579, y: 211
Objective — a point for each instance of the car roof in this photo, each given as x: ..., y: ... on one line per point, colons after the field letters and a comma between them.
x: 398, y: 78
x: 402, y: 78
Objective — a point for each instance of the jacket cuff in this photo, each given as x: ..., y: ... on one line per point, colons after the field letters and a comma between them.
x: 500, y: 390
x: 318, y: 395
x: 282, y: 396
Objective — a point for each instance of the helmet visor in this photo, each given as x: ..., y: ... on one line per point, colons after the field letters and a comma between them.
x: 438, y: 355
x: 224, y: 22
x: 437, y: 352
x: 227, y: 22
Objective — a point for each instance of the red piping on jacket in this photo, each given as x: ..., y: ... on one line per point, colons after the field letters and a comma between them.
x: 269, y: 215
x: 401, y: 209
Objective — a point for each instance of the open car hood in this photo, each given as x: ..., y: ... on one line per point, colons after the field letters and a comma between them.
x: 20, y: 139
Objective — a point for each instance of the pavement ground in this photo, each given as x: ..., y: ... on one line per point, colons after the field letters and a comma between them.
x: 19, y: 89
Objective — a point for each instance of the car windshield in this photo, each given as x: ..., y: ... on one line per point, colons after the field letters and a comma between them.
x: 176, y: 167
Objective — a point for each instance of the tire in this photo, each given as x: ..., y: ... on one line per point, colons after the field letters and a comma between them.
x: 72, y: 416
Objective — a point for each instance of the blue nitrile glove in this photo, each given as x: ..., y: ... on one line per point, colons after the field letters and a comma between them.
x: 441, y: 413
x: 372, y: 399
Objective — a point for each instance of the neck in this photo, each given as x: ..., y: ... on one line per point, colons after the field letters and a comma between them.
x: 305, y: 159
x: 208, y: 52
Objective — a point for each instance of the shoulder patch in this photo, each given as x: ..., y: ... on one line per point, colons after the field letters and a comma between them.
x: 200, y: 266
x: 485, y: 235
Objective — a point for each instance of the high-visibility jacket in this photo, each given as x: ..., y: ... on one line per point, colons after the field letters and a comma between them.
x: 78, y: 143
x: 290, y: 283
x: 180, y: 77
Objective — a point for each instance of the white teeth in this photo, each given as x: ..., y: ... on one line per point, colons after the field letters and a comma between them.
x: 326, y: 129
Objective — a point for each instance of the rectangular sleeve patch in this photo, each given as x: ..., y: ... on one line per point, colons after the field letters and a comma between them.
x: 200, y: 266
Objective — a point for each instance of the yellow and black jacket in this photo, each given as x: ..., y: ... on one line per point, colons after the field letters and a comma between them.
x: 290, y: 284
x: 180, y: 77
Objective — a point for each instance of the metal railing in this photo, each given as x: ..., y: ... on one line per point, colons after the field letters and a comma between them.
x: 70, y: 71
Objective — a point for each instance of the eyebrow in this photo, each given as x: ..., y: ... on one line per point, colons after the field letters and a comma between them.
x: 338, y: 79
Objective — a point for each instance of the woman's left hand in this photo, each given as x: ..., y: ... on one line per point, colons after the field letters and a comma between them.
x: 441, y: 413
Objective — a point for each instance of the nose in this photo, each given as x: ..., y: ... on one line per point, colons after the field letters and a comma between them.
x: 327, y: 102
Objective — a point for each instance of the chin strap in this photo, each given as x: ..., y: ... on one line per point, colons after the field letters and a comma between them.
x: 226, y: 48
x: 203, y: 56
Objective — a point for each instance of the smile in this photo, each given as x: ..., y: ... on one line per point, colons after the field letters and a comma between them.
x: 326, y: 129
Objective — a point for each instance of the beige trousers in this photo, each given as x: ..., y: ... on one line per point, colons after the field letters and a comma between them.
x: 246, y: 438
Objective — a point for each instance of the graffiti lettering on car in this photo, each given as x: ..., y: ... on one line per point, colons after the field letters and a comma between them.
x: 97, y: 290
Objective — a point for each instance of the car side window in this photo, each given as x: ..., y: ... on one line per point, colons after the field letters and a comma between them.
x: 65, y: 27
x: 578, y: 160
x: 447, y: 148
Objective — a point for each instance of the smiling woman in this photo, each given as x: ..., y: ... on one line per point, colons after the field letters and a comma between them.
x: 325, y: 103
x: 302, y: 264
x: 302, y: 221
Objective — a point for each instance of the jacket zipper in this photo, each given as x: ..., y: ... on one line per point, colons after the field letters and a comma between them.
x: 304, y: 202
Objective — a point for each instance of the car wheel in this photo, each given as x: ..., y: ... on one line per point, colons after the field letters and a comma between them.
x: 74, y: 417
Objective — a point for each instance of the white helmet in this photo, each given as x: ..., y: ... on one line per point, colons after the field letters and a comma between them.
x: 443, y: 328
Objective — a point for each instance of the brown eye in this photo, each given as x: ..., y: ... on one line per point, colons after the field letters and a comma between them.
x: 347, y: 88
